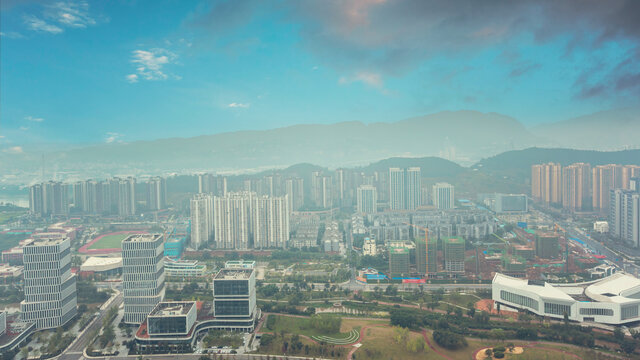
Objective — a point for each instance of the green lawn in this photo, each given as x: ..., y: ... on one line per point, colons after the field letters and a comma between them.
x: 109, y: 242
x: 379, y: 344
x: 7, y: 216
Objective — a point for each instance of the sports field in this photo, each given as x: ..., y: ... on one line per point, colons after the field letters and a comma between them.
x: 109, y: 241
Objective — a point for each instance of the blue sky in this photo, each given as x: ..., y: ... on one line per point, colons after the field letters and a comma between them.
x: 107, y: 71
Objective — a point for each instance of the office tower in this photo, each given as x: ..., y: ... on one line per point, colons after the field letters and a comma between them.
x: 127, y: 197
x: 624, y: 215
x: 443, y: 196
x: 413, y: 196
x: 426, y: 256
x: 399, y: 260
x: 397, y: 189
x: 49, y: 286
x: 142, y: 275
x: 201, y: 206
x: 576, y: 187
x: 367, y: 199
x: 604, y: 179
x: 234, y: 298
x: 546, y: 183
x: 156, y: 193
x: 294, y: 189
x: 232, y: 220
x: 454, y: 254
x: 547, y: 246
x: 270, y: 216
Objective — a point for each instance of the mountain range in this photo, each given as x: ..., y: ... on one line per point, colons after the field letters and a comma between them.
x: 465, y: 137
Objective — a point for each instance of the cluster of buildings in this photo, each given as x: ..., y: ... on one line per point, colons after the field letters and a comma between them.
x: 579, y: 187
x: 429, y: 262
x: 116, y: 196
x: 624, y: 213
x: 240, y: 220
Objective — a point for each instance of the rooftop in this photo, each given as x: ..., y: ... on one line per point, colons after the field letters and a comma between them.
x: 142, y: 237
x: 46, y: 241
x: 172, y: 308
x: 233, y: 274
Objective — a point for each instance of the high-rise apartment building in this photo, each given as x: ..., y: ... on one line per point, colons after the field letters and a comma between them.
x: 127, y: 197
x: 270, y: 215
x: 397, y: 192
x: 294, y: 188
x: 143, y: 279
x: 156, y: 193
x: 576, y: 187
x: 413, y: 188
x: 604, y: 179
x: 443, y: 196
x: 50, y: 297
x: 399, y: 260
x: 49, y: 199
x: 427, y: 256
x: 546, y: 183
x: 212, y: 184
x: 321, y: 190
x: 367, y: 199
x: 201, y: 206
x: 232, y: 220
x: 624, y: 215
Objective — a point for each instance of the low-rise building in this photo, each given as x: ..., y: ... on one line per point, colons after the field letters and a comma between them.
x: 601, y: 226
x: 106, y: 266
x: 234, y: 298
x: 9, y: 271
x: 613, y: 300
x: 172, y: 318
x: 369, y: 247
x: 184, y: 268
x: 240, y: 264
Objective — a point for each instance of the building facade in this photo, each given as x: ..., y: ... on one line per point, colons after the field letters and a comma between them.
x: 367, y: 199
x: 143, y: 276
x: 443, y: 196
x: 576, y: 187
x: 202, y: 220
x: 546, y: 183
x: 234, y: 298
x: 50, y: 296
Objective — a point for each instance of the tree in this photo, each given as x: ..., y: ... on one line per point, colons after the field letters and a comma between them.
x: 628, y: 346
x: 489, y: 353
x: 618, y: 334
x: 471, y: 309
x: 24, y: 352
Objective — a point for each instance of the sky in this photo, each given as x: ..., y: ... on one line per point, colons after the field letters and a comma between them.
x: 78, y: 72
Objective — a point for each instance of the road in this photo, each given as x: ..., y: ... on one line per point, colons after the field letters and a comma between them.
x: 74, y: 352
x: 197, y: 357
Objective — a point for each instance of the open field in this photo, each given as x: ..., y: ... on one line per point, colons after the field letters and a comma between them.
x: 108, y: 241
x: 378, y: 344
x: 532, y: 351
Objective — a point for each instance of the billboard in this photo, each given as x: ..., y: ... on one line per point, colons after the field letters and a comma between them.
x: 413, y: 281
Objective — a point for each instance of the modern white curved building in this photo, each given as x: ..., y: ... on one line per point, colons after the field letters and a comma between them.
x: 612, y: 300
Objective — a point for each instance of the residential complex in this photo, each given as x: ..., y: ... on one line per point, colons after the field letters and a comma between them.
x: 443, y: 196
x: 156, y: 193
x: 367, y: 199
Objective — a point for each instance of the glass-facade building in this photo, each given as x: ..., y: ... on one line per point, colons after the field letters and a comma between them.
x: 234, y: 297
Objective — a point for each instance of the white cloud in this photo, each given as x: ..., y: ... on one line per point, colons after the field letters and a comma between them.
x: 24, y: 128
x: 132, y: 78
x: 34, y: 119
x: 150, y: 63
x: 112, y: 137
x: 71, y: 14
x: 37, y: 24
x: 371, y: 79
x: 14, y: 150
x: 239, y: 105
x: 11, y: 35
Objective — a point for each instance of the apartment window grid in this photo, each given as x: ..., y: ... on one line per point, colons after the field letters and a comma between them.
x: 519, y: 299
x: 596, y: 311
x: 557, y: 309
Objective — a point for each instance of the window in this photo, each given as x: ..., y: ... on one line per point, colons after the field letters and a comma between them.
x: 557, y: 309
x: 519, y: 299
x: 602, y: 312
x: 629, y: 312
